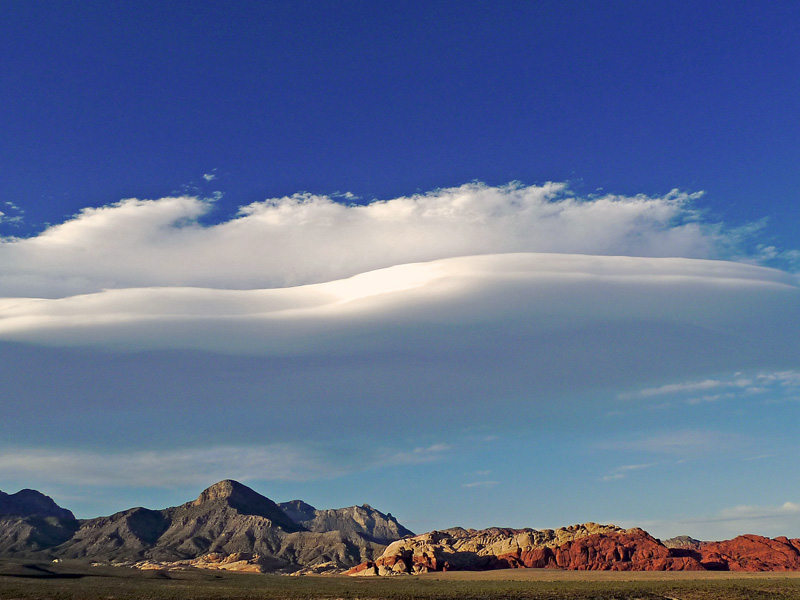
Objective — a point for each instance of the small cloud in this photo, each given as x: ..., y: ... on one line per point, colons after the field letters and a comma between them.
x: 475, y: 484
x: 416, y: 456
x: 622, y: 471
x: 210, y: 176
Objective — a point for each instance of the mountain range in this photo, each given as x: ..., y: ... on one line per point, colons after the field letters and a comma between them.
x: 230, y: 526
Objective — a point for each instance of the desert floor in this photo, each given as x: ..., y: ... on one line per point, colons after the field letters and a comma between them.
x: 27, y: 580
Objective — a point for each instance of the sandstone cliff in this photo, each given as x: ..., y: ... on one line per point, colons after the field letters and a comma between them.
x: 579, y: 547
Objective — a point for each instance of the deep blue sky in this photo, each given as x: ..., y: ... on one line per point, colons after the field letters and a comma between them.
x: 105, y: 100
x: 606, y: 362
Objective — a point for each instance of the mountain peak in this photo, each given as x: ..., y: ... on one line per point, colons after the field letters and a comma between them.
x: 245, y: 501
x: 31, y: 502
x: 227, y: 489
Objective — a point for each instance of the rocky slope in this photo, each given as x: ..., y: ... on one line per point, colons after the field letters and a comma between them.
x: 365, y: 520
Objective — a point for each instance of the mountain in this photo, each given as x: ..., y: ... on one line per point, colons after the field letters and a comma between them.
x: 230, y: 526
x: 365, y: 520
x: 226, y: 520
x: 31, y: 521
x: 27, y: 503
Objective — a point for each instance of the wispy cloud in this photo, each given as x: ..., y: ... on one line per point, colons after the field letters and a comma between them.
x: 677, y: 443
x: 729, y: 522
x: 622, y: 471
x: 734, y: 386
x: 420, y: 454
x: 196, y: 466
x: 188, y: 466
x: 475, y: 484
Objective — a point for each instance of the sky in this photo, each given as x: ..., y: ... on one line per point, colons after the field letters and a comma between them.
x: 521, y: 264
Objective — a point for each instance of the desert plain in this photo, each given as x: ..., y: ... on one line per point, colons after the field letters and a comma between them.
x: 79, y: 580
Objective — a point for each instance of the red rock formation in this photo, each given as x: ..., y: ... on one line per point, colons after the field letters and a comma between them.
x: 585, y: 547
x: 632, y: 550
x: 750, y: 553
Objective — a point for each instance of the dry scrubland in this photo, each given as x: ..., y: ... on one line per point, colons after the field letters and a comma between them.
x: 73, y: 581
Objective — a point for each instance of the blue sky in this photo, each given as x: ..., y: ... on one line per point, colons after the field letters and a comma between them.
x: 522, y: 264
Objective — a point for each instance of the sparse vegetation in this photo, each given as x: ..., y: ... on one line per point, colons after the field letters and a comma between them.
x: 26, y: 581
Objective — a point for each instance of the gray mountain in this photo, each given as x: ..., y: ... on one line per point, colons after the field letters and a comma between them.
x: 229, y: 518
x: 364, y: 520
x: 27, y: 503
x: 26, y: 535
x: 31, y: 521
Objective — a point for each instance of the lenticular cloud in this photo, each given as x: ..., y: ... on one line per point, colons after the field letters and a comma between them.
x: 607, y: 283
x: 306, y: 239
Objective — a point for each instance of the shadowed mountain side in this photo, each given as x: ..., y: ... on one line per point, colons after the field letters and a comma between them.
x: 364, y: 520
x: 25, y: 535
x: 125, y: 534
x: 26, y: 503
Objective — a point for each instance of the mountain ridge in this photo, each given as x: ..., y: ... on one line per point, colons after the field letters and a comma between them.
x: 231, y: 526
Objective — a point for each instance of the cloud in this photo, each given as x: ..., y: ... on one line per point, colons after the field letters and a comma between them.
x: 686, y: 443
x: 540, y: 296
x: 777, y: 384
x: 770, y: 520
x: 622, y: 471
x: 209, y: 176
x: 419, y: 455
x: 199, y: 465
x: 305, y: 239
x: 170, y: 468
x: 476, y: 484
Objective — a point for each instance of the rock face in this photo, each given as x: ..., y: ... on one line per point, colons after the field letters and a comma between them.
x: 364, y: 520
x: 580, y: 547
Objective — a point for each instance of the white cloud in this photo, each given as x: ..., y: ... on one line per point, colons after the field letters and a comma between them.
x: 475, y: 484
x: 538, y: 295
x: 419, y: 455
x: 306, y: 239
x: 209, y: 176
x: 777, y: 384
x: 622, y: 471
